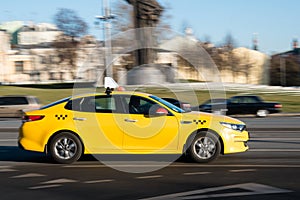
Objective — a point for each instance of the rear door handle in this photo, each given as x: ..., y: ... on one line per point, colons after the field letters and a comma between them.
x: 79, y: 119
x: 131, y: 120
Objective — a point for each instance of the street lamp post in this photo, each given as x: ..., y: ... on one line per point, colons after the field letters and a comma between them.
x: 107, y: 36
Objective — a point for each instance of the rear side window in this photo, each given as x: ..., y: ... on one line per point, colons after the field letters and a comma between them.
x: 6, y: 101
x: 99, y: 104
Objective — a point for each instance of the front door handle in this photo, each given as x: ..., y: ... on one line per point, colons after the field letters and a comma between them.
x: 131, y: 120
x: 79, y: 119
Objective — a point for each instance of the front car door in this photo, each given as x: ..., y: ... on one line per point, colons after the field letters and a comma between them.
x: 144, y: 132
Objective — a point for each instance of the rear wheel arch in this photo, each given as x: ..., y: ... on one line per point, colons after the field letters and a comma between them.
x: 59, y: 132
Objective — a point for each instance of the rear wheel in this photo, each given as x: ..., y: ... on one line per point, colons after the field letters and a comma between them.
x: 205, y: 147
x: 65, y: 148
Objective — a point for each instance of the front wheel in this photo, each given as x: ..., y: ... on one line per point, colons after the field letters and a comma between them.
x: 65, y: 148
x: 205, y: 147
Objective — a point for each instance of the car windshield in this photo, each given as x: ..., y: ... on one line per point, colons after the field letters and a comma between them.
x: 169, y: 105
x: 215, y: 101
x: 55, y: 103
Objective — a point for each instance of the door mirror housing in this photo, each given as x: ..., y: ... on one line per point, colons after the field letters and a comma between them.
x: 157, y: 111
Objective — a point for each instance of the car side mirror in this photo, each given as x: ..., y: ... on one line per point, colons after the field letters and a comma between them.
x: 156, y: 111
x: 161, y: 112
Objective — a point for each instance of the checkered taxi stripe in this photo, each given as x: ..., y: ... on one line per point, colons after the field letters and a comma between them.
x: 199, y: 121
x: 61, y: 117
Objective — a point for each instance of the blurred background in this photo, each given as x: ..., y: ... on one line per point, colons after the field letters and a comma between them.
x: 44, y: 52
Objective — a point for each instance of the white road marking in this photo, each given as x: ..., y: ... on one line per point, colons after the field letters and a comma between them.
x: 4, y: 166
x: 274, y: 150
x: 250, y: 189
x: 196, y: 173
x: 57, y: 181
x: 256, y: 132
x: 8, y: 140
x: 242, y: 170
x: 149, y: 177
x: 30, y: 175
x: 7, y: 170
x: 274, y: 139
x: 186, y: 166
x: 44, y: 187
x: 99, y: 181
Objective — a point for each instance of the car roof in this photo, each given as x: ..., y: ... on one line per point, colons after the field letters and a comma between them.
x: 113, y: 93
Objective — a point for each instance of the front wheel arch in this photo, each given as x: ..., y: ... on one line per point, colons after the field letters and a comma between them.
x: 192, y: 136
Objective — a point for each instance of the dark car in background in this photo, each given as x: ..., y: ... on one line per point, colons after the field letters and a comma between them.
x: 243, y: 104
x: 217, y: 106
x: 180, y: 104
x: 13, y: 106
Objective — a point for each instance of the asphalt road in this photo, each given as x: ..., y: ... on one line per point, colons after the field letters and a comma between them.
x: 269, y: 170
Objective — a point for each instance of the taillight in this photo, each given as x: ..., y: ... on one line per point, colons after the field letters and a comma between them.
x: 31, y: 118
x: 278, y: 106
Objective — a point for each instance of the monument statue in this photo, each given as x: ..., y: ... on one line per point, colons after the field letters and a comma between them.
x: 146, y: 14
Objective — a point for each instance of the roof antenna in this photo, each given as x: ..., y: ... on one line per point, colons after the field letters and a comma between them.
x: 108, y: 91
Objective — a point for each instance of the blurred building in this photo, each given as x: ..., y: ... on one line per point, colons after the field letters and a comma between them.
x: 239, y: 65
x: 252, y: 67
x: 27, y: 55
x: 285, y: 67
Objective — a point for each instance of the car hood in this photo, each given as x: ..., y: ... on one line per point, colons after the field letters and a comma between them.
x: 194, y: 115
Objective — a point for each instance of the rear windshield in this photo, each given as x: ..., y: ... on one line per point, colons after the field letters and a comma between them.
x: 55, y: 103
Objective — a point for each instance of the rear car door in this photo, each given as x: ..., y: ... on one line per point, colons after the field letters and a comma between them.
x: 96, y: 118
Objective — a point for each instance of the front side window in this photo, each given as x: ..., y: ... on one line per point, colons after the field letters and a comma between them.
x: 139, y: 105
x: 169, y: 105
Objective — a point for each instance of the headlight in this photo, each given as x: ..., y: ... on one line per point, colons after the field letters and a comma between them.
x: 236, y: 127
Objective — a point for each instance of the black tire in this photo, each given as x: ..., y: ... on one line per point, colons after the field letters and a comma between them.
x: 205, y: 147
x: 65, y: 148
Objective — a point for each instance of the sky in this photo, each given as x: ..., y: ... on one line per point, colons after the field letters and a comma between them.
x: 275, y: 22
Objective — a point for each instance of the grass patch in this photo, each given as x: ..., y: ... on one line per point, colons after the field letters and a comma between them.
x: 290, y: 102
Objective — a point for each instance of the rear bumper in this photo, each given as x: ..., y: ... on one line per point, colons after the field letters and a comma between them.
x: 29, y: 142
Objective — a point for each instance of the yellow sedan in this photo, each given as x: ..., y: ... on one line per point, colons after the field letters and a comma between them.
x: 128, y: 123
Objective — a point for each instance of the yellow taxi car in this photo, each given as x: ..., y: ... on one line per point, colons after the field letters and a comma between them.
x: 128, y: 123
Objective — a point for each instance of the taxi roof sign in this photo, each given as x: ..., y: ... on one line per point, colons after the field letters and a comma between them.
x: 110, y: 83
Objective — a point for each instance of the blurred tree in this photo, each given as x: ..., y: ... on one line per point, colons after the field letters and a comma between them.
x: 231, y: 61
x: 70, y: 23
x: 66, y: 45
